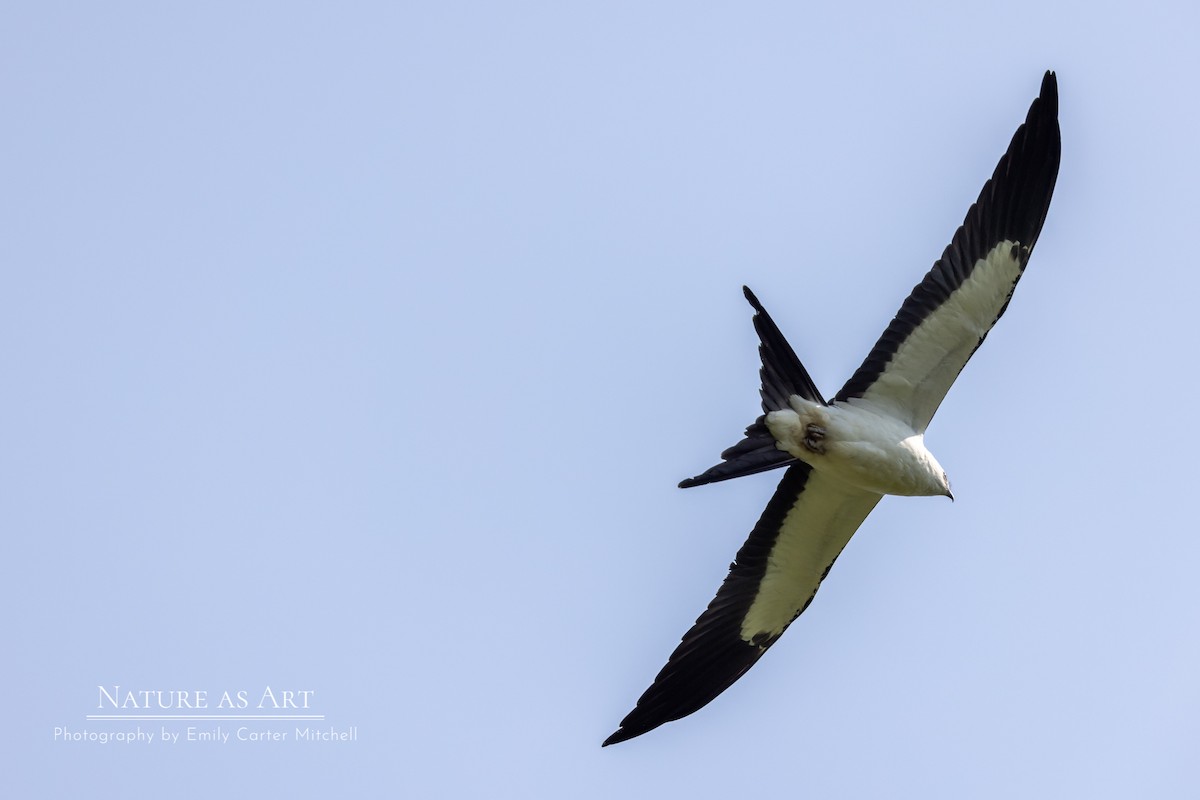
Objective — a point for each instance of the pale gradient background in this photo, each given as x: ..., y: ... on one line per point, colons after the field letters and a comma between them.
x: 358, y: 348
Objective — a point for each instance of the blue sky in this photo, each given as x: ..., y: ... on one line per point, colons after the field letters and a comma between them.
x: 358, y: 350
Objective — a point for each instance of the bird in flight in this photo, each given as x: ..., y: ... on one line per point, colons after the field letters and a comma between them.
x: 844, y: 454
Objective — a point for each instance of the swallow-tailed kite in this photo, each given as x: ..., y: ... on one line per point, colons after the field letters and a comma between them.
x: 843, y: 455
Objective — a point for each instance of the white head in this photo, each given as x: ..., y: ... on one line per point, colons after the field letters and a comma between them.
x: 939, y: 481
x: 925, y: 472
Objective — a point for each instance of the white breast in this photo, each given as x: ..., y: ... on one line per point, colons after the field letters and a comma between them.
x: 864, y: 449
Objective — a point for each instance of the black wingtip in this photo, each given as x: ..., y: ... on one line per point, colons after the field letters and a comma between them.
x: 623, y: 734
x: 1049, y: 92
x: 618, y: 737
x: 1032, y: 164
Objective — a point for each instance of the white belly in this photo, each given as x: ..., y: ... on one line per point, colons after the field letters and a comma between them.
x: 871, y: 451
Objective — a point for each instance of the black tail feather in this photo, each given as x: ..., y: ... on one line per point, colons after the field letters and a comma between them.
x: 782, y: 376
x: 782, y: 373
x: 755, y: 453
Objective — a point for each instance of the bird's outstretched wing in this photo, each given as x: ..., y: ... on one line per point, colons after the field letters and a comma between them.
x: 778, y: 570
x: 950, y: 312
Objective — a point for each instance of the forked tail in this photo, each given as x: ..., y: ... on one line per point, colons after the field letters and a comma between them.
x: 782, y: 376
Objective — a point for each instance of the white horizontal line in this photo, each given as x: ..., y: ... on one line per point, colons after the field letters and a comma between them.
x: 203, y: 716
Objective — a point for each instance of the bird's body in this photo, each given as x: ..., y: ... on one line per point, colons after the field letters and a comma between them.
x: 842, y: 455
x: 859, y: 447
